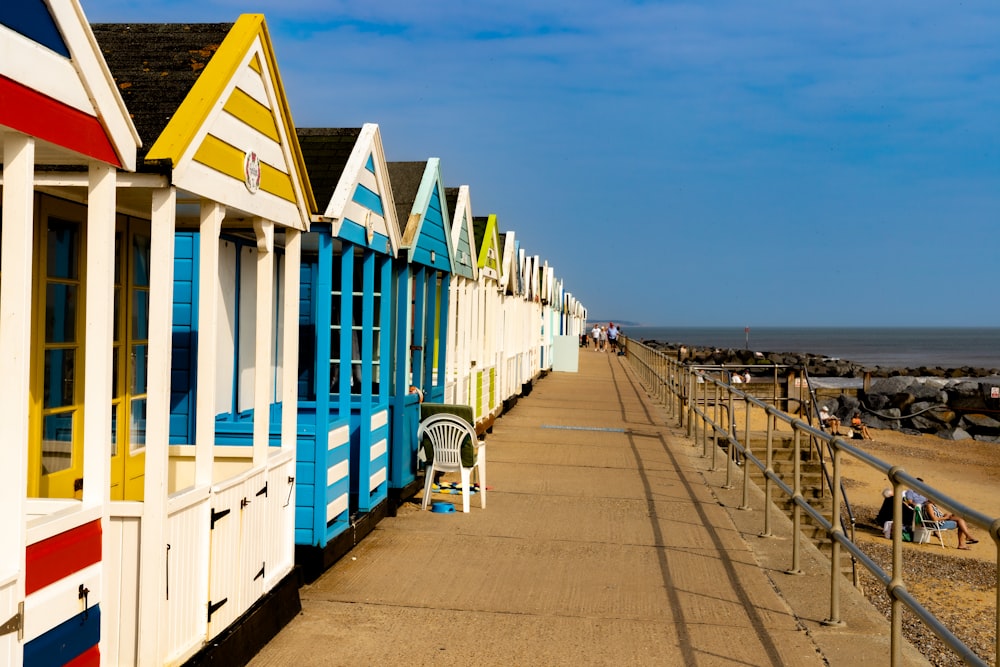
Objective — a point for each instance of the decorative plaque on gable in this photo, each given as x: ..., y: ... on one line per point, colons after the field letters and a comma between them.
x: 251, y: 171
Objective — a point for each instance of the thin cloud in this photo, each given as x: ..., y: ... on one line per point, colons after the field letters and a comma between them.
x: 672, y: 128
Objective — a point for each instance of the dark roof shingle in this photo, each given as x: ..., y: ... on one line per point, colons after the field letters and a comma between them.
x: 155, y: 66
x: 479, y: 223
x: 326, y: 151
x: 405, y: 178
x: 451, y: 198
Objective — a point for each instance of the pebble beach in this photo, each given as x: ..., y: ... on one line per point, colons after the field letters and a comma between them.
x: 960, y: 587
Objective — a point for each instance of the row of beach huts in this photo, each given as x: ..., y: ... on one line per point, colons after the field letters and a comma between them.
x: 215, y: 331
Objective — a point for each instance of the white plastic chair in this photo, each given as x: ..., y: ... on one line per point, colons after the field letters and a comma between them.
x: 446, y: 433
x: 930, y: 526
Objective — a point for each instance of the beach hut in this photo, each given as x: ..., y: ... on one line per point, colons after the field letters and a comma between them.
x: 346, y: 329
x: 67, y: 143
x: 463, y: 303
x: 549, y: 319
x: 533, y: 295
x: 573, y: 315
x: 520, y: 321
x: 424, y: 270
x: 532, y: 307
x: 206, y: 514
x: 511, y: 327
x: 487, y: 401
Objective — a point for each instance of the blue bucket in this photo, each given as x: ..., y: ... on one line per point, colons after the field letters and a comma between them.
x: 442, y: 507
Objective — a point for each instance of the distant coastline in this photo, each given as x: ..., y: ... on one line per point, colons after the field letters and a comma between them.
x: 887, y: 347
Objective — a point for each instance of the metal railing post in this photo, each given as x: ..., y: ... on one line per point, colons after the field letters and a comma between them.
x: 668, y: 374
x: 796, y: 498
x: 653, y: 371
x: 695, y: 417
x: 668, y: 398
x: 679, y: 379
x: 994, y: 532
x: 651, y: 374
x: 661, y: 384
x: 694, y: 414
x: 731, y: 431
x: 835, y: 532
x: 704, y: 416
x: 896, y: 582
x: 690, y: 410
x: 662, y: 371
x: 746, y: 460
x: 768, y: 471
x: 715, y: 420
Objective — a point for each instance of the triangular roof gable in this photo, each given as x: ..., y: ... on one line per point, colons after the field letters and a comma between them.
x: 543, y: 282
x: 463, y: 236
x: 232, y: 138
x: 488, y: 260
x: 535, y: 279
x: 501, y: 241
x: 523, y: 263
x: 515, y: 263
x: 548, y: 280
x: 54, y: 84
x: 426, y: 235
x: 509, y: 279
x: 361, y: 207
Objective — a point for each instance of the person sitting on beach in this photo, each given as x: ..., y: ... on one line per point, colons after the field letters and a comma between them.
x: 884, y: 515
x: 949, y: 522
x: 913, y: 499
x: 860, y: 429
x: 829, y: 421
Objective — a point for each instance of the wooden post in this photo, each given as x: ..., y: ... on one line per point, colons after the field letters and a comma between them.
x: 263, y: 344
x: 290, y: 340
x: 209, y: 297
x: 153, y: 537
x: 15, y: 345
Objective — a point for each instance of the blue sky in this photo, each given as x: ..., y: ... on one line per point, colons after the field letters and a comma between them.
x: 722, y: 163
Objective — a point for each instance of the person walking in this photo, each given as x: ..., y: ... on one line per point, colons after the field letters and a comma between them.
x: 613, y: 336
x: 596, y: 333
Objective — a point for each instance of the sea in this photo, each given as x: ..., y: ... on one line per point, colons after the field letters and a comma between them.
x: 894, y: 347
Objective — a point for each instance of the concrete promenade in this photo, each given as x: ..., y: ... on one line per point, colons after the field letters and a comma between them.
x: 606, y: 541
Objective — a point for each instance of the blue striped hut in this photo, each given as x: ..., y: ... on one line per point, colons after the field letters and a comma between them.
x: 424, y: 270
x: 345, y: 383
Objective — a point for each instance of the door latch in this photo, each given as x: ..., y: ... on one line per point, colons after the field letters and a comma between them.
x: 82, y: 594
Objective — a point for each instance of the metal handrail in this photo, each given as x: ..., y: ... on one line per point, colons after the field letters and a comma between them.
x: 669, y: 379
x: 826, y: 473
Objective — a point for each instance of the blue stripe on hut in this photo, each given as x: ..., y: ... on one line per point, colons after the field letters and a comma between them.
x: 345, y: 350
x: 424, y: 273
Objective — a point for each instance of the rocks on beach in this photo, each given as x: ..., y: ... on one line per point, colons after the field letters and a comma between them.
x: 953, y: 403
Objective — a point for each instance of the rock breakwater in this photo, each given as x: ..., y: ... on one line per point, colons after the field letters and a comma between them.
x: 953, y: 403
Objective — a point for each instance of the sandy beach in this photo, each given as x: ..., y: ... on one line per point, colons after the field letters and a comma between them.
x: 967, y: 470
x: 958, y: 586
